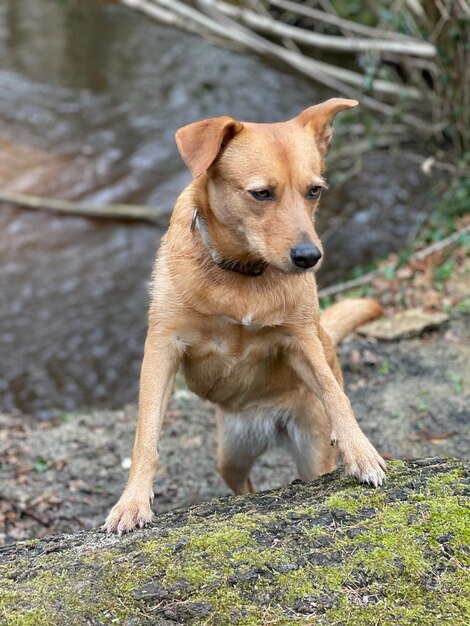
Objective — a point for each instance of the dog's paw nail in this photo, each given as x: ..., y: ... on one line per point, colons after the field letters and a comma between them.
x: 374, y: 478
x: 127, y: 516
x: 109, y: 526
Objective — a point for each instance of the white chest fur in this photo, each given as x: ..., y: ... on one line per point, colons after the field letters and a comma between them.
x: 250, y: 323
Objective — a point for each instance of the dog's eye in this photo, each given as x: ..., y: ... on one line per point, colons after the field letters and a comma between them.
x: 262, y: 194
x: 314, y: 192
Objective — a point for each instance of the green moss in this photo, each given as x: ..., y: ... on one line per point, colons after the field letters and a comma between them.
x: 295, y: 585
x: 330, y: 578
x: 33, y: 617
x: 350, y: 554
x: 444, y: 484
x: 348, y: 504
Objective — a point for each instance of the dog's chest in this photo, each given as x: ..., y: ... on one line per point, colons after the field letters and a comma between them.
x: 232, y: 356
x: 231, y: 340
x: 249, y: 322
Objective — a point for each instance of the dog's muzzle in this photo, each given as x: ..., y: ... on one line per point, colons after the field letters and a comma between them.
x: 305, y: 255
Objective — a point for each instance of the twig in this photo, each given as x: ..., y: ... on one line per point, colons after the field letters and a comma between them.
x: 440, y: 245
x: 417, y: 256
x: 335, y: 20
x: 168, y: 17
x: 352, y: 284
x: 260, y: 6
x: 311, y: 67
x: 432, y: 163
x: 128, y: 212
x: 271, y: 26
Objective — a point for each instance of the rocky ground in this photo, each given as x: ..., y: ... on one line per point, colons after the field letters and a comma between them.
x: 410, y: 398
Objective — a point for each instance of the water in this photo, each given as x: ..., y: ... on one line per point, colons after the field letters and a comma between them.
x: 90, y: 98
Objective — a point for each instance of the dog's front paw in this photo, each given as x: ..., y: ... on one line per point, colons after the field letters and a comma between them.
x: 363, y: 461
x: 129, y: 513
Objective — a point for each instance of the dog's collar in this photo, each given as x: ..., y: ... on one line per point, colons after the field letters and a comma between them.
x: 247, y: 269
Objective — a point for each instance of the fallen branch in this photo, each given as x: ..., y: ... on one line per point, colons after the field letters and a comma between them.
x: 429, y: 163
x: 365, y: 279
x: 355, y: 282
x: 300, y: 35
x: 168, y: 17
x: 335, y: 20
x: 128, y: 212
x: 230, y: 33
x: 312, y: 68
x: 440, y: 245
x: 196, y: 21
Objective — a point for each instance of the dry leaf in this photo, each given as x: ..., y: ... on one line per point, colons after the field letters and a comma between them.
x: 405, y: 324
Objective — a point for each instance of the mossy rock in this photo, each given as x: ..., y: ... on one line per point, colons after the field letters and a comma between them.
x: 328, y: 552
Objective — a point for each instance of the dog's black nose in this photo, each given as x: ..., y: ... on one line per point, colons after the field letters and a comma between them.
x: 305, y: 255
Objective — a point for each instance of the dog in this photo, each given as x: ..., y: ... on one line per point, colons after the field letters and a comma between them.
x: 234, y: 304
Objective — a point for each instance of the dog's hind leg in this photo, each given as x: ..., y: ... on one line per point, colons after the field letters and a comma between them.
x: 241, y: 439
x: 308, y: 441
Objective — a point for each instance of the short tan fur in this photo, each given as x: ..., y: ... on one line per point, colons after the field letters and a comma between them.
x: 255, y: 345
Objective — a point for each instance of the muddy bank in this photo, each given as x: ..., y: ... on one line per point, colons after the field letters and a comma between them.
x: 410, y: 398
x: 329, y: 552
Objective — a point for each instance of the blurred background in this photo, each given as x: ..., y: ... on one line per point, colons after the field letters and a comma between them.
x: 91, y: 95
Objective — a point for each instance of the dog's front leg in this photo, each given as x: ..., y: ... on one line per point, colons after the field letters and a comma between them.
x: 359, y: 456
x: 159, y: 368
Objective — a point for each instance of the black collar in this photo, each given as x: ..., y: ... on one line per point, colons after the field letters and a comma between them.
x: 247, y: 269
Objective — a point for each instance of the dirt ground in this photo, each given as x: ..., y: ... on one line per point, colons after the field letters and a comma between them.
x: 410, y: 398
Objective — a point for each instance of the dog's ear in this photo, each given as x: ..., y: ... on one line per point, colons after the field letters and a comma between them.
x: 200, y: 143
x: 317, y: 119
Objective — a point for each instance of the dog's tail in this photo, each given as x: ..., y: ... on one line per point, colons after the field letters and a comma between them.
x: 345, y: 316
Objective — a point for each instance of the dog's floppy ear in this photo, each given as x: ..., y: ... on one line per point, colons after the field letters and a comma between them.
x: 200, y: 143
x: 318, y: 118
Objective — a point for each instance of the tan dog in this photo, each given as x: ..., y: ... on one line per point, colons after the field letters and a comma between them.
x: 235, y: 304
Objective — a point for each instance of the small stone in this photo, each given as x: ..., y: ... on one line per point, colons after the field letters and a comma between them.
x: 369, y: 357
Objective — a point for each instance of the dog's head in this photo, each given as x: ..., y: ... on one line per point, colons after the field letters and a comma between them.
x: 265, y: 180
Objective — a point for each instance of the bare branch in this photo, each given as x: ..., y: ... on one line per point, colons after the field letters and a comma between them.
x: 273, y: 27
x: 128, y: 212
x: 311, y: 67
x: 334, y: 20
x: 417, y: 256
